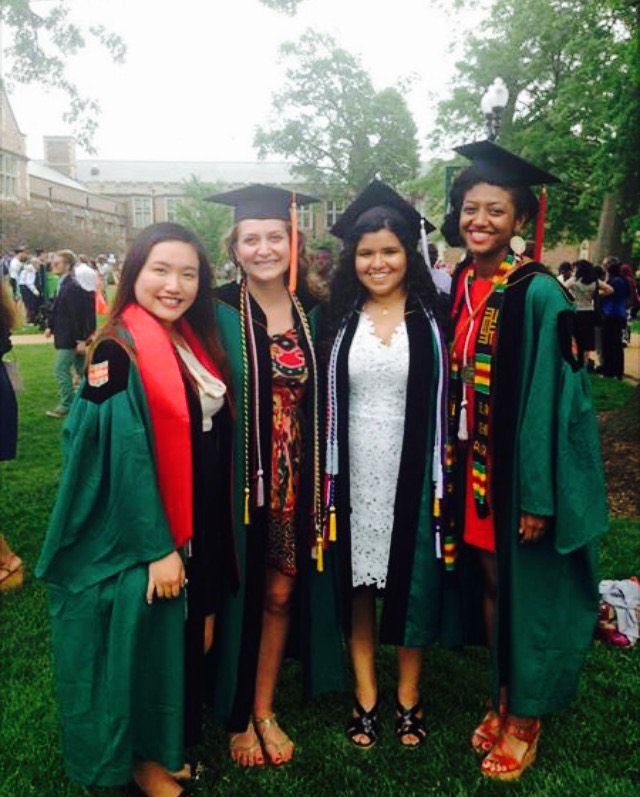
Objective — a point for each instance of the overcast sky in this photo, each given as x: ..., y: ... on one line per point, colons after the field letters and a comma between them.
x: 199, y: 74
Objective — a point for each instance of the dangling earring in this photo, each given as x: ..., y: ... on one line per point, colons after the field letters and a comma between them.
x: 238, y: 274
x: 517, y: 245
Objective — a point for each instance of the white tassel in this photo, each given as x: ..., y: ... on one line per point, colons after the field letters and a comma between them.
x: 463, y: 432
x: 424, y: 244
x: 260, y: 490
x: 438, y: 546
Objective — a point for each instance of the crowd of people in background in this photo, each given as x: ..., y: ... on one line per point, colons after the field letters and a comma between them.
x: 607, y: 299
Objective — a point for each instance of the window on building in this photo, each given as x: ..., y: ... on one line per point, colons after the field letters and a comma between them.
x: 172, y: 204
x: 334, y: 209
x: 305, y: 217
x: 8, y: 176
x: 142, y: 211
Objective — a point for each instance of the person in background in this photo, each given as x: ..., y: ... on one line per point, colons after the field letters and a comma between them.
x: 614, y: 319
x: 15, y: 267
x: 27, y: 283
x: 565, y: 270
x: 439, y: 274
x: 320, y: 273
x: 585, y: 288
x: 71, y: 328
x: 11, y: 568
x: 526, y: 494
x: 267, y: 327
x: 137, y: 553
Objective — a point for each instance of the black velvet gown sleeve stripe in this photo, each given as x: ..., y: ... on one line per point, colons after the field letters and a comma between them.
x: 118, y: 364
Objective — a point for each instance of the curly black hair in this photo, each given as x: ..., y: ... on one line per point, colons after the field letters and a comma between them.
x: 347, y: 291
x: 525, y: 201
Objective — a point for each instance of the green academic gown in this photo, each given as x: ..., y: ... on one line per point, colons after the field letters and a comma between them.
x: 315, y: 628
x: 118, y: 662
x: 545, y: 461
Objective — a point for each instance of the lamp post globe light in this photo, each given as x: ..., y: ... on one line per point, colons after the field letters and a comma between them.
x: 493, y: 103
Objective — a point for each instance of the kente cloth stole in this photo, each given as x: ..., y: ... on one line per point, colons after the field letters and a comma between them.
x: 479, y: 374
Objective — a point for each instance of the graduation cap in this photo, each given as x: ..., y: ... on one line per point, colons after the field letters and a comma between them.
x: 502, y: 167
x: 266, y: 202
x: 499, y: 164
x: 261, y: 202
x: 378, y: 194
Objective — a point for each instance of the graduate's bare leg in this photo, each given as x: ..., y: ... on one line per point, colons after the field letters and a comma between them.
x: 362, y: 645
x: 275, y: 628
x: 409, y: 669
x: 155, y: 781
x: 487, y: 733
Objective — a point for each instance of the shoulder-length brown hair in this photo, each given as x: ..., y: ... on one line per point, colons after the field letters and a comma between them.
x: 200, y: 315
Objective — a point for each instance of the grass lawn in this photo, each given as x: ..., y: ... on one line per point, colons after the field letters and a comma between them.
x: 592, y: 748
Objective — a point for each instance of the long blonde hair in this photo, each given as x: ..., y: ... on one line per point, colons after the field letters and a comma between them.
x: 8, y: 311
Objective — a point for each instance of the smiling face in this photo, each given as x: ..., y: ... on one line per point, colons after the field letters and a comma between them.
x: 381, y: 263
x: 168, y: 281
x: 263, y: 249
x: 488, y: 220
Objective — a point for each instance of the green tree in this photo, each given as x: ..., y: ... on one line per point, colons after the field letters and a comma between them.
x: 571, y: 67
x: 333, y: 123
x: 35, y: 49
x: 289, y: 7
x: 210, y: 222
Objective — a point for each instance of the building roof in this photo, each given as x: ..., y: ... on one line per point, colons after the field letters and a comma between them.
x: 38, y: 169
x: 111, y: 171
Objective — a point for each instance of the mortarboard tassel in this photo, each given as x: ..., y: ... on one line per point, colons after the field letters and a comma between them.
x: 542, y: 213
x: 333, y: 531
x: 293, y: 262
x: 247, y: 519
x: 424, y: 244
x: 319, y: 553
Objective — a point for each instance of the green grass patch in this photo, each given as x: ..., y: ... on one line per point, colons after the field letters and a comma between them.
x: 609, y: 394
x: 592, y: 748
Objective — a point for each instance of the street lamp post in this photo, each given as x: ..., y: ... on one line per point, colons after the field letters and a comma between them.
x: 493, y: 103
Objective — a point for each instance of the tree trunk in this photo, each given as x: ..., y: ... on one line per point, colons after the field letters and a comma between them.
x: 610, y: 228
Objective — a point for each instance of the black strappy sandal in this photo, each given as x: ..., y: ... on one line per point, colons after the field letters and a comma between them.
x: 408, y: 723
x: 364, y: 724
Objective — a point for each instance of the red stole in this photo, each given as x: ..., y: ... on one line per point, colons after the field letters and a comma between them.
x: 161, y: 376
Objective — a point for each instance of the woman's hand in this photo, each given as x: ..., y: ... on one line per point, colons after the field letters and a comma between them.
x: 532, y: 527
x: 166, y: 577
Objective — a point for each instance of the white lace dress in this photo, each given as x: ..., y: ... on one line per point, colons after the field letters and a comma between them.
x: 377, y: 397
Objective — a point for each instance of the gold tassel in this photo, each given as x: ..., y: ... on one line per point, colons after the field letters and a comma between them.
x: 319, y: 553
x: 333, y: 532
x: 246, y: 506
x: 436, y: 507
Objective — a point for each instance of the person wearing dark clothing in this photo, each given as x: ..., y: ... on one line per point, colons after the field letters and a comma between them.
x: 614, y: 320
x: 71, y: 327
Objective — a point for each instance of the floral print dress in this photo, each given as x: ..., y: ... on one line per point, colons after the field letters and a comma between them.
x: 289, y: 376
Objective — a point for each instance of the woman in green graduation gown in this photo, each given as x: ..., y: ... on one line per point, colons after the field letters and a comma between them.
x: 138, y: 541
x: 268, y: 331
x: 387, y: 378
x: 527, y: 488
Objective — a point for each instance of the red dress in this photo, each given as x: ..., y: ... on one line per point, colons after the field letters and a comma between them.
x: 477, y: 531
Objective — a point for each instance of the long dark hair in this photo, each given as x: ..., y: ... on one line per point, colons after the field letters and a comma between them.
x: 524, y: 200
x: 347, y: 291
x: 199, y: 315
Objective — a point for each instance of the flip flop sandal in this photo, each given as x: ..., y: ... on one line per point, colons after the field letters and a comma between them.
x: 366, y: 724
x: 279, y: 748
x: 408, y: 723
